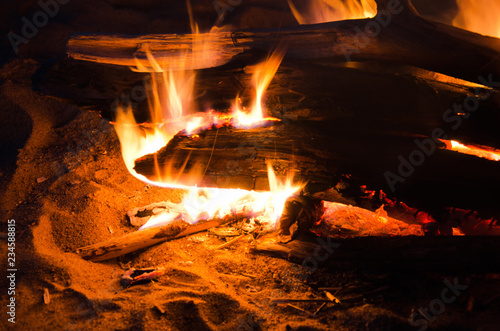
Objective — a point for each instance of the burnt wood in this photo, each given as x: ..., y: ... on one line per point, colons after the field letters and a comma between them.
x: 444, y: 254
x: 320, y: 152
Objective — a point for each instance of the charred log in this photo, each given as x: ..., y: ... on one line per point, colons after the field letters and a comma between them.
x: 445, y: 254
x: 396, y: 34
x: 319, y: 153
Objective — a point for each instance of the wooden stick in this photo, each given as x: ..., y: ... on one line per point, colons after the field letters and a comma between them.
x: 299, y: 300
x: 320, y: 307
x: 142, y: 239
x: 331, y: 289
x: 230, y: 242
x: 301, y: 310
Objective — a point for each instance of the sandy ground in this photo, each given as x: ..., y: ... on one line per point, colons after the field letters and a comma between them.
x: 63, y: 181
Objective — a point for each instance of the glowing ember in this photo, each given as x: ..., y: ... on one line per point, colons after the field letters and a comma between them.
x: 348, y: 221
x: 320, y: 11
x: 476, y: 150
x: 481, y: 16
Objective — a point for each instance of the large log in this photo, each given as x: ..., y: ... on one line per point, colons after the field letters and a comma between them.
x: 373, y: 94
x: 396, y: 34
x: 319, y: 153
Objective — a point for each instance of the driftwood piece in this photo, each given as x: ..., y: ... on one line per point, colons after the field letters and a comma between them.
x: 396, y: 34
x: 475, y: 253
x: 141, y: 239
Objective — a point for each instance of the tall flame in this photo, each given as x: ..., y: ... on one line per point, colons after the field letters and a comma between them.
x: 170, y: 98
x: 481, y: 16
x: 321, y: 11
x: 171, y: 104
x: 262, y: 77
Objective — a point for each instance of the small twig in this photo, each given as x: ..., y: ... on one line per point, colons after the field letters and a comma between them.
x: 298, y: 300
x: 320, y: 307
x: 303, y: 96
x: 353, y: 299
x: 490, y: 300
x: 377, y: 290
x: 230, y: 242
x: 331, y: 297
x: 362, y: 296
x: 300, y: 309
x: 349, y: 287
x: 330, y: 289
x: 160, y: 309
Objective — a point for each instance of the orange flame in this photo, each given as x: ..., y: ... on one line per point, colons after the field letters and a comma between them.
x: 480, y: 16
x: 321, y: 11
x: 208, y: 203
x: 262, y: 77
x: 171, y: 104
x: 475, y: 150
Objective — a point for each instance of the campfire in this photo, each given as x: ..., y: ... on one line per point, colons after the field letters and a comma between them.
x: 365, y: 135
x: 222, y: 157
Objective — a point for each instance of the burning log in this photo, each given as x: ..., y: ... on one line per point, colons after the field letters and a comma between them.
x: 396, y: 34
x: 319, y: 153
x: 236, y: 158
x: 451, y: 254
x: 144, y: 238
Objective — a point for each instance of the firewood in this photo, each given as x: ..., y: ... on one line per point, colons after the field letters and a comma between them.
x: 141, y: 239
x: 446, y: 253
x: 230, y: 242
x: 319, y: 152
x: 238, y: 156
x: 301, y: 310
x: 396, y: 34
x: 298, y: 300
